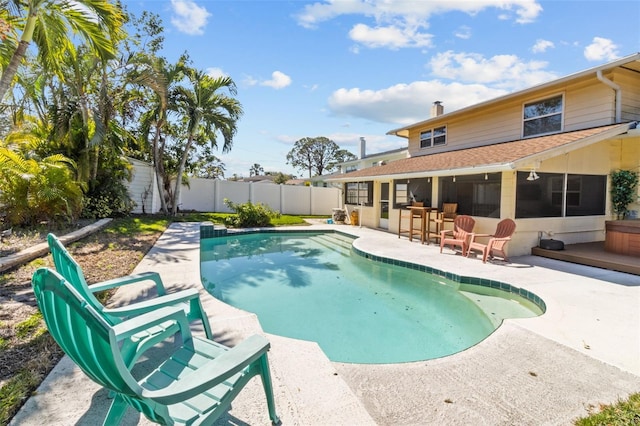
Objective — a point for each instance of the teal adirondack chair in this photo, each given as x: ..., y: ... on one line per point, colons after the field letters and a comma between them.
x: 193, y: 385
x: 132, y: 348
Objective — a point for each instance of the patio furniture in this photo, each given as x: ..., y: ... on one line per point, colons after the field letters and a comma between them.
x: 188, y: 300
x: 497, y: 241
x: 460, y: 235
x: 449, y: 210
x: 191, y: 384
x: 448, y: 214
x: 411, y: 213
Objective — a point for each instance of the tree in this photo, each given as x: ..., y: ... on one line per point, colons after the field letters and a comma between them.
x: 256, y: 170
x: 341, y: 156
x: 53, y: 25
x: 314, y: 155
x: 206, y: 112
x: 161, y: 77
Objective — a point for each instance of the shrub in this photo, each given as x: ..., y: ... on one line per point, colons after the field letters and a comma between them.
x: 249, y: 215
x: 32, y: 191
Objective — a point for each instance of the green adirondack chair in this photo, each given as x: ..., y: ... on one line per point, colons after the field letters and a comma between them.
x: 132, y: 348
x: 193, y: 385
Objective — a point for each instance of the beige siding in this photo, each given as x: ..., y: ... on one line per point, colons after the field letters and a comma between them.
x: 589, y: 106
x: 629, y: 82
x: 588, y: 102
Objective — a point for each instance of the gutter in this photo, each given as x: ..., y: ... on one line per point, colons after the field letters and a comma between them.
x: 618, y: 90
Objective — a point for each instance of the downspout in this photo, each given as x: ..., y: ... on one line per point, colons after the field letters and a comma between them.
x: 618, y: 94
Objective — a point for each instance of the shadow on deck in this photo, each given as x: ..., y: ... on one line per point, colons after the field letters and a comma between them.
x: 592, y: 254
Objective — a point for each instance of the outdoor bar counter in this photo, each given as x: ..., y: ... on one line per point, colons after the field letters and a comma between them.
x: 623, y: 237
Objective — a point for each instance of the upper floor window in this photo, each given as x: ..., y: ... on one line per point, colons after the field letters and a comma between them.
x: 542, y: 117
x: 433, y: 137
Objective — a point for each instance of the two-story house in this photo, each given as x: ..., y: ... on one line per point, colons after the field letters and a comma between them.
x: 541, y: 156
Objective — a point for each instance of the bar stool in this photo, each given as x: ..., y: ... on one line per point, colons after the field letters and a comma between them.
x: 411, y: 215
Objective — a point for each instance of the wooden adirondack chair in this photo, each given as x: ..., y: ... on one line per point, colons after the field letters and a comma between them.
x: 497, y: 241
x: 460, y: 235
x: 192, y: 385
x: 188, y: 300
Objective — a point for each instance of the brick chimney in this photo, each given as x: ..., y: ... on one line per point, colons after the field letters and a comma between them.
x: 437, y: 109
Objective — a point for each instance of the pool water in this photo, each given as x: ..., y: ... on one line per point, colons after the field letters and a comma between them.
x: 312, y: 286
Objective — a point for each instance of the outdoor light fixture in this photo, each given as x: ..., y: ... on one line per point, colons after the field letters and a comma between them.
x: 486, y: 176
x: 454, y: 178
x: 533, y: 175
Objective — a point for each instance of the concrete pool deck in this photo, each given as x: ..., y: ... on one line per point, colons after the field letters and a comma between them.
x: 548, y: 370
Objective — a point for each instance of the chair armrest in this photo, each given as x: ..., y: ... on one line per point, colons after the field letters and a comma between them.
x: 143, y: 322
x: 130, y: 279
x: 213, y: 372
x: 171, y: 299
x: 474, y: 235
x: 446, y: 231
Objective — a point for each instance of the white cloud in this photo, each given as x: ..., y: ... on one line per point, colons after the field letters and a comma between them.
x: 462, y: 79
x: 188, y: 17
x: 464, y: 32
x: 278, y: 80
x: 249, y: 81
x: 541, y: 46
x: 404, y: 104
x: 216, y: 72
x: 402, y: 24
x: 501, y: 71
x: 601, y: 49
x: 392, y: 37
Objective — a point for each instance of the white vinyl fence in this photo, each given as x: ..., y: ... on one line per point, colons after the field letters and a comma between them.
x: 207, y: 195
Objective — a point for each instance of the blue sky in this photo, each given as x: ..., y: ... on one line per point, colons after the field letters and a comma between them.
x: 346, y: 69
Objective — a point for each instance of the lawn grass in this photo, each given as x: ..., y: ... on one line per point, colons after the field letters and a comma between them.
x: 623, y: 413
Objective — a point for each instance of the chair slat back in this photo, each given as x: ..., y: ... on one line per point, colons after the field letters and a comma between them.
x: 80, y: 331
x: 505, y: 228
x: 72, y: 273
x: 450, y: 210
x: 463, y: 226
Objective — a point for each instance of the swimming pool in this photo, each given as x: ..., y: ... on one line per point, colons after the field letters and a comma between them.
x: 314, y: 286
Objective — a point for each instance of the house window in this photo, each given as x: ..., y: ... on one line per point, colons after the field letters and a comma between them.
x: 476, y: 195
x: 433, y: 137
x: 560, y: 195
x: 407, y: 191
x: 542, y: 117
x: 359, y: 193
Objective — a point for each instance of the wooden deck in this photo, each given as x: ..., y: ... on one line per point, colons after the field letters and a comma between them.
x: 592, y: 254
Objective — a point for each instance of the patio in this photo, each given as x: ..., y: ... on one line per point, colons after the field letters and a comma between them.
x: 585, y: 350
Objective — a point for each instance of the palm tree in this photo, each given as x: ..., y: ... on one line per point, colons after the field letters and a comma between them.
x: 206, y: 113
x: 52, y: 25
x: 255, y: 170
x: 155, y: 74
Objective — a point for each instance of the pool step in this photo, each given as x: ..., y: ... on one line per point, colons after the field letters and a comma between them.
x: 334, y: 242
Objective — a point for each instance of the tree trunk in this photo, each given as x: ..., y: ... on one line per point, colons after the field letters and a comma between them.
x: 176, y: 192
x: 157, y: 167
x: 12, y: 68
x: 18, y: 56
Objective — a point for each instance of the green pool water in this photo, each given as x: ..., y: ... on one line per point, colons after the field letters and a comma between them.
x: 312, y: 286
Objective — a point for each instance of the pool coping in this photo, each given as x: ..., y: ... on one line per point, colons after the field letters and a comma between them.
x: 544, y: 370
